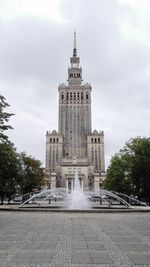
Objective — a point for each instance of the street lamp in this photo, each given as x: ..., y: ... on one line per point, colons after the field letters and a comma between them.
x: 100, y: 199
x: 48, y: 181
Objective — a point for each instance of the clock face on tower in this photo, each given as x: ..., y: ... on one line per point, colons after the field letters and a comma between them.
x: 74, y: 65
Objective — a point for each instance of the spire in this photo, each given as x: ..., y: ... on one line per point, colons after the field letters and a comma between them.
x: 74, y: 45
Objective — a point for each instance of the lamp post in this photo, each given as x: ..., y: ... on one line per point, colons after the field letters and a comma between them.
x: 100, y: 199
x: 48, y: 181
x: 49, y: 186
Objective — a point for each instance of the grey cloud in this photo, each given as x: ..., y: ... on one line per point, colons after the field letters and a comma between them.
x: 34, y: 59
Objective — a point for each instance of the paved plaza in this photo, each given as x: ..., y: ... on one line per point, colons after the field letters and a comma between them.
x: 45, y: 239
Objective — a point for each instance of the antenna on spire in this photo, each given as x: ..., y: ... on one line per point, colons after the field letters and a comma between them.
x: 74, y: 45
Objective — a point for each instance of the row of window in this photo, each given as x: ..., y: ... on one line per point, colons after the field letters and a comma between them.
x: 54, y: 140
x: 74, y: 96
x: 75, y: 75
x: 77, y: 108
x: 95, y: 140
x: 73, y: 170
x: 71, y: 102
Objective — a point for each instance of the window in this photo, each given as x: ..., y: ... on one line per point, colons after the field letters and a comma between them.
x: 50, y: 140
x: 92, y: 155
x: 57, y: 155
x: 53, y: 159
x: 87, y: 96
x: 81, y: 96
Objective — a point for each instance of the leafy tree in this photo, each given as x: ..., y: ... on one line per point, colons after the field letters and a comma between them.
x: 9, y: 170
x: 139, y: 151
x: 4, y: 118
x: 118, y: 175
x: 129, y: 170
x: 32, y: 174
x: 18, y: 172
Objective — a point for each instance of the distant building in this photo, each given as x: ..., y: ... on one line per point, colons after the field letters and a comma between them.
x: 75, y: 145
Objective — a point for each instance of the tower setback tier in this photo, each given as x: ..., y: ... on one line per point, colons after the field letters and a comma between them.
x: 75, y: 146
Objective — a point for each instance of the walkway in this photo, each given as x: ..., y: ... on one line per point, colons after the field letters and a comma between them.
x: 73, y: 240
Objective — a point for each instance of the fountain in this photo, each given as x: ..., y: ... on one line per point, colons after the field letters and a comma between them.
x: 78, y: 199
x: 58, y: 199
x: 55, y: 199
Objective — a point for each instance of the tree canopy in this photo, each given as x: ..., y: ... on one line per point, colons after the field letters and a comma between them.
x: 129, y: 170
x: 32, y: 176
x: 19, y: 173
x: 9, y: 170
x: 4, y: 118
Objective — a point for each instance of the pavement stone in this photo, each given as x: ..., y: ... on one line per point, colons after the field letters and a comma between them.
x: 74, y: 239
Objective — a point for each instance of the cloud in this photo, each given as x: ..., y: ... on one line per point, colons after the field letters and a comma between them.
x: 135, y: 24
x: 36, y: 43
x: 45, y: 9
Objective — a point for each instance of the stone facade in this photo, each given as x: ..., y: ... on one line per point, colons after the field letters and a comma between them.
x: 75, y: 146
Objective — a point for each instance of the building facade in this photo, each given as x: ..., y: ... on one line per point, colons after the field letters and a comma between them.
x: 75, y: 146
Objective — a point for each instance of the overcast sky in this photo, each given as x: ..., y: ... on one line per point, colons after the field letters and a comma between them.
x: 113, y: 42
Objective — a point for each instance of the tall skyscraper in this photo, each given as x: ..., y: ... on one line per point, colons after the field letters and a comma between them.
x: 75, y: 146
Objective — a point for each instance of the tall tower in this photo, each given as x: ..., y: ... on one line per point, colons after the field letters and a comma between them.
x: 75, y: 145
x: 75, y: 110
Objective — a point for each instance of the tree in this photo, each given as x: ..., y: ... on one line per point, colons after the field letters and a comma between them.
x: 4, y: 118
x: 139, y: 151
x: 9, y: 170
x: 32, y: 174
x: 18, y: 172
x: 129, y: 170
x: 118, y: 178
